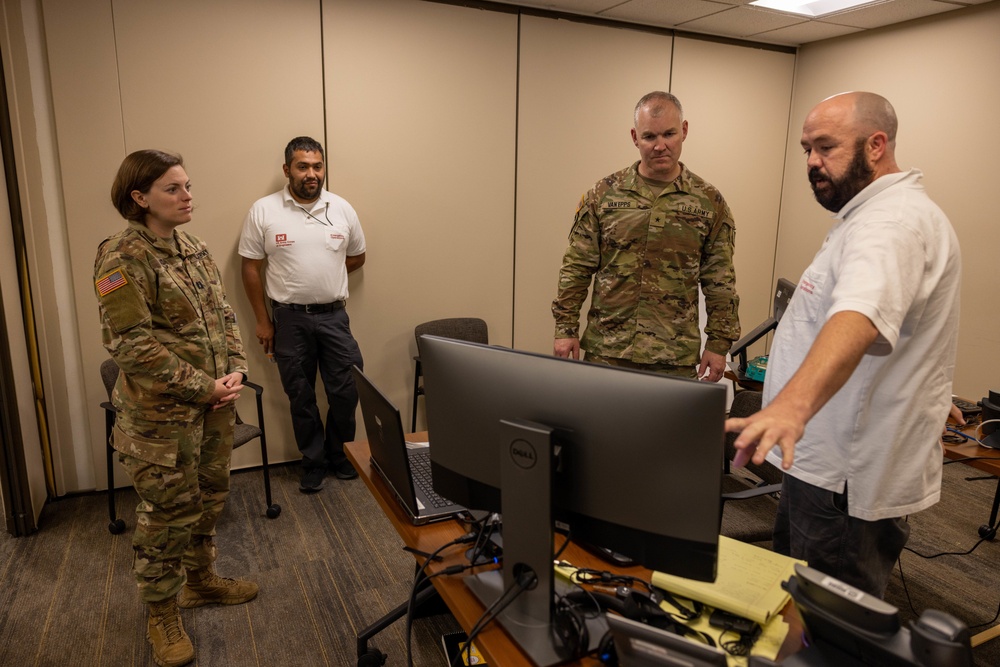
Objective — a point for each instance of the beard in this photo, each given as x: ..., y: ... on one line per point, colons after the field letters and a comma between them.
x: 842, y: 190
x: 304, y: 191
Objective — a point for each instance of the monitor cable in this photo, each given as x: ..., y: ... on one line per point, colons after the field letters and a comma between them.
x: 421, y: 577
x: 523, y: 582
x: 604, y: 577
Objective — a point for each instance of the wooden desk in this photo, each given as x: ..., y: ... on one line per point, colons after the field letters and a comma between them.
x: 742, y: 380
x: 981, y: 458
x: 493, y: 642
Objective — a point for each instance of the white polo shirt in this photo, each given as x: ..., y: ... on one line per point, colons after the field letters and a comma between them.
x: 306, y: 246
x: 892, y: 256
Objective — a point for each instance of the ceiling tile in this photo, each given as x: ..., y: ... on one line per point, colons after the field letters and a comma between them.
x: 742, y: 22
x: 801, y: 33
x: 887, y: 13
x: 737, y: 19
x: 664, y: 14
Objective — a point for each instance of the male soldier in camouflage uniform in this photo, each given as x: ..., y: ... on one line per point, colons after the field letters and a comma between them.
x: 167, y: 324
x: 648, y: 236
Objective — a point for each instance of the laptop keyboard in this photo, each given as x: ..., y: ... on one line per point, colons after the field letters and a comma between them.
x: 420, y: 466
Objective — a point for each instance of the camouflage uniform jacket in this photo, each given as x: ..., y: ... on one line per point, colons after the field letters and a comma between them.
x: 647, y: 256
x: 166, y: 322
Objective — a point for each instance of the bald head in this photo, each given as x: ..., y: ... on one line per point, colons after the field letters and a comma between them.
x: 850, y: 141
x: 867, y: 113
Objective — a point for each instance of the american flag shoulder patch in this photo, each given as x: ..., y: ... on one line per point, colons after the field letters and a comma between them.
x: 111, y: 282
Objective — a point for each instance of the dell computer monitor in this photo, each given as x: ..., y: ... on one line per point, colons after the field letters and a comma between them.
x: 630, y: 460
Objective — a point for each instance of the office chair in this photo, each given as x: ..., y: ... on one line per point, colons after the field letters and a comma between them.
x: 748, y: 500
x: 470, y: 329
x: 738, y: 352
x: 242, y: 434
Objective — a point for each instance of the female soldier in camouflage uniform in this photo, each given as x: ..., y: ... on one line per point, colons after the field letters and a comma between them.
x: 167, y: 324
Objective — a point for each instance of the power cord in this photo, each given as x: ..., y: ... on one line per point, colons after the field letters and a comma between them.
x: 522, y: 583
x: 743, y: 644
x: 604, y: 577
x: 421, y: 577
x: 909, y: 601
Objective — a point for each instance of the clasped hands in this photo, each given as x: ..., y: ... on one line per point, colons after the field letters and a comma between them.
x: 227, y: 390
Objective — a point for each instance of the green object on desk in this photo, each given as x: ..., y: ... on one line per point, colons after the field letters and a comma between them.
x: 757, y: 368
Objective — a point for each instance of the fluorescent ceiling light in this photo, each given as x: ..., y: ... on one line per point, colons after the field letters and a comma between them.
x: 813, y: 8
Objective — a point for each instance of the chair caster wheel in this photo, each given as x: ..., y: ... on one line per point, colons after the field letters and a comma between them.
x: 987, y: 532
x: 116, y: 527
x: 374, y: 658
x: 273, y: 511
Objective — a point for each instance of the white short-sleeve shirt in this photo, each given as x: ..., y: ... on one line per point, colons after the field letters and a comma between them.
x: 306, y: 245
x: 892, y: 256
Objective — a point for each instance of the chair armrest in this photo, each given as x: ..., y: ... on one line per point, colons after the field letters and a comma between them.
x: 253, y: 385
x: 767, y: 489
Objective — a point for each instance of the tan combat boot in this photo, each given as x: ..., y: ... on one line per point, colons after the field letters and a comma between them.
x: 165, y: 631
x: 204, y: 586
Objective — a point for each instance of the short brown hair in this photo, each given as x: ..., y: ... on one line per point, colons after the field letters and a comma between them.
x: 656, y: 100
x: 138, y: 171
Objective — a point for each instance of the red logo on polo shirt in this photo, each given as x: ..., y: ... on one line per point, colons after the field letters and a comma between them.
x: 281, y: 240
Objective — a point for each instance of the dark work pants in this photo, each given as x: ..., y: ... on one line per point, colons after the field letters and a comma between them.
x: 813, y: 524
x: 304, y: 342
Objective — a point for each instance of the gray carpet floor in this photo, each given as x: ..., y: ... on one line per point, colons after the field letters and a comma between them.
x: 330, y: 564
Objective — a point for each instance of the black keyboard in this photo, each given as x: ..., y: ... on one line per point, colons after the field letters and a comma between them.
x: 420, y: 468
x: 968, y: 408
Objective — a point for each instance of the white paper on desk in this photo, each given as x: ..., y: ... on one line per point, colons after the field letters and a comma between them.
x: 417, y: 445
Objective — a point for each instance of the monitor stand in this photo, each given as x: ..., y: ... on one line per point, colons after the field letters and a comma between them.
x: 528, y: 456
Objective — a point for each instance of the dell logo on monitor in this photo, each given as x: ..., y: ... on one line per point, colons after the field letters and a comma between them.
x: 522, y: 454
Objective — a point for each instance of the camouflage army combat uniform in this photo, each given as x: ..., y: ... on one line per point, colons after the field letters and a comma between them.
x: 647, y: 255
x: 167, y: 324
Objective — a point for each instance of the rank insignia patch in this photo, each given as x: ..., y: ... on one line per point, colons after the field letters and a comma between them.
x: 111, y: 282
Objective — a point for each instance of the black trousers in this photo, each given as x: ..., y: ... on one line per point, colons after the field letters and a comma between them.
x: 813, y: 524
x: 303, y: 343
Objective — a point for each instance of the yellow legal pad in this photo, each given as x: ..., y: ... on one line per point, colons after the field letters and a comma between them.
x: 748, y: 582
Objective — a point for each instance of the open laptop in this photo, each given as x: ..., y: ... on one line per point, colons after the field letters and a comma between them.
x: 405, y: 470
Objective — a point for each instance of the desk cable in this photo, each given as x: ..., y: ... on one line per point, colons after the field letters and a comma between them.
x: 523, y: 582
x: 979, y: 431
x: 960, y: 436
x: 584, y: 575
x: 906, y: 590
x: 421, y: 576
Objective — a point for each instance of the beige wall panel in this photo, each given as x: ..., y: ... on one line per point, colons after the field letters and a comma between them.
x: 736, y: 101
x: 940, y: 74
x: 578, y: 85
x: 219, y: 83
x: 79, y: 36
x: 421, y: 120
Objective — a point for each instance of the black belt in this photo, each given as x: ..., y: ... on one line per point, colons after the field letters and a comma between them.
x: 311, y: 307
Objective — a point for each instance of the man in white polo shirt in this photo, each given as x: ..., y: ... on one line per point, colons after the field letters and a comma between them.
x: 859, y: 378
x: 307, y: 240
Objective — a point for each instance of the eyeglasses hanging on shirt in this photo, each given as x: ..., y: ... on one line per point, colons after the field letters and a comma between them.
x: 326, y: 214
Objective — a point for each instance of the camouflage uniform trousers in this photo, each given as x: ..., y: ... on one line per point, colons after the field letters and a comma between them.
x: 180, y: 499
x: 666, y: 369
